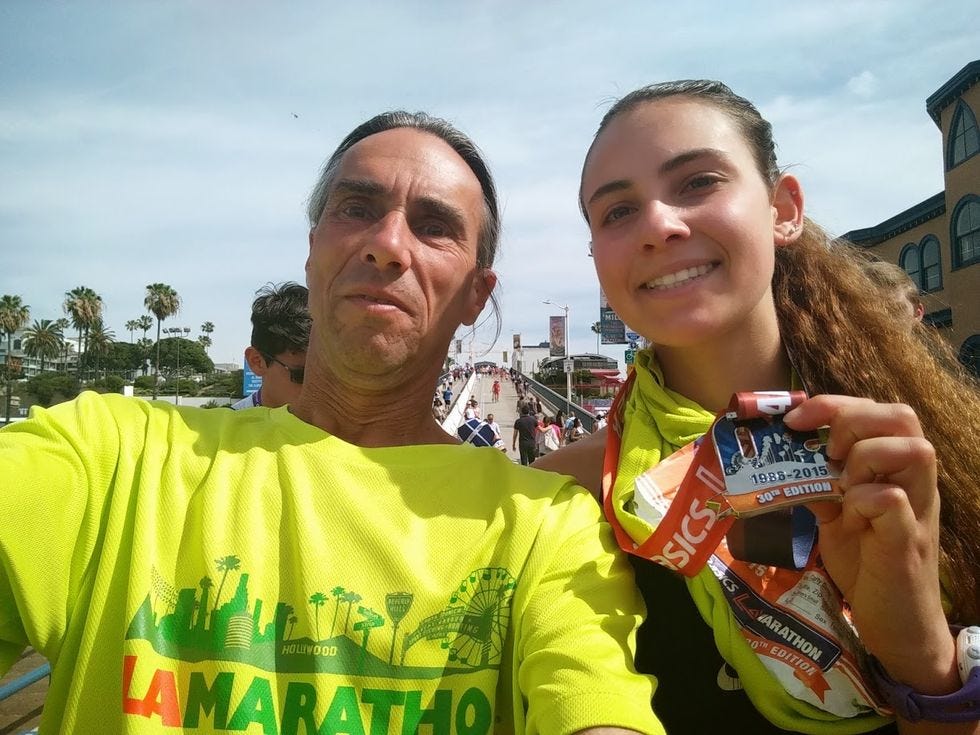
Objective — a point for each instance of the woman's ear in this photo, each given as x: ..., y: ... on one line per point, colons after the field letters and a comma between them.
x: 787, y: 210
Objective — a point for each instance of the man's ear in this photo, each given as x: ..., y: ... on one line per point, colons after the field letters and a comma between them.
x: 309, y: 256
x: 482, y: 285
x: 255, y: 361
x: 787, y: 210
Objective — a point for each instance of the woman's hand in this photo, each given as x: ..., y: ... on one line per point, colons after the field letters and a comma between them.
x: 881, y: 544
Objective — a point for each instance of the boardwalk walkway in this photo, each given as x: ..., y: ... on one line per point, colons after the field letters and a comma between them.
x: 504, y: 411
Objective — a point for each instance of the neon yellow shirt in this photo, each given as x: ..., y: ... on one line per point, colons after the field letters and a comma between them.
x: 212, y: 570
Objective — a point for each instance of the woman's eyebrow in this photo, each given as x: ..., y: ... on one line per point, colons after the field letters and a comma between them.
x: 666, y: 167
x: 687, y: 156
x: 617, y: 185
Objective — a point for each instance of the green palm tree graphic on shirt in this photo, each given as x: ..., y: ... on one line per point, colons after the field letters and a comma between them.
x: 466, y: 635
x: 318, y: 600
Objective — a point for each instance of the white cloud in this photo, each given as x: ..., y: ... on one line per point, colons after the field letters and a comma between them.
x: 164, y: 147
x: 864, y: 84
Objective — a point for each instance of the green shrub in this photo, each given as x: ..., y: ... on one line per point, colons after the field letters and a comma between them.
x: 144, y: 383
x: 111, y: 384
x: 50, y: 388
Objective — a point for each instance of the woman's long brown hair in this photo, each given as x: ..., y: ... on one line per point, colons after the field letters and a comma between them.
x: 842, y: 335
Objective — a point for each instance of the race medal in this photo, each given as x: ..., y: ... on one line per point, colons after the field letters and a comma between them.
x: 748, y: 463
x: 678, y: 497
x: 765, y: 464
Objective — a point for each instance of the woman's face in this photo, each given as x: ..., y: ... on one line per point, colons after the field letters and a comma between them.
x: 682, y: 222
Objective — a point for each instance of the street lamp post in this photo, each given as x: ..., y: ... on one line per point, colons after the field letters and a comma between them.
x: 568, y: 356
x: 177, y: 331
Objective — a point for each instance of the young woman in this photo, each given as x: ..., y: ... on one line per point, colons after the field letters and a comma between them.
x: 548, y: 437
x: 701, y: 246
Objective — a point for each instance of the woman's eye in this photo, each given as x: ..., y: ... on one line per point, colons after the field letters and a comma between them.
x: 701, y: 182
x: 617, y: 213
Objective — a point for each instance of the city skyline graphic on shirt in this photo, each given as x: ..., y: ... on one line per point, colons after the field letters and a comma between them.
x: 189, y: 625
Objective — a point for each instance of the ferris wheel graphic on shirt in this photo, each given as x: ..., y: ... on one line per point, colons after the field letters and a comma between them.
x: 339, y: 633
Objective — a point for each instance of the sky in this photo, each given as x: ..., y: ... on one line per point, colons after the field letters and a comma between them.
x: 177, y: 142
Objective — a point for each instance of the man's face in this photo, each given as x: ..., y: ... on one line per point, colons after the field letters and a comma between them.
x: 392, y: 266
x: 278, y: 388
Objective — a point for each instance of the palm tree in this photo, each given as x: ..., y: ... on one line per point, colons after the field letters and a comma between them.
x: 61, y: 325
x: 84, y: 306
x: 131, y: 326
x: 225, y: 564
x: 205, y: 342
x: 318, y: 600
x: 597, y: 328
x: 207, y: 328
x: 43, y: 339
x: 161, y: 301
x: 144, y: 323
x: 99, y: 341
x: 14, y: 315
x: 350, y: 598
x: 292, y: 624
x: 337, y: 593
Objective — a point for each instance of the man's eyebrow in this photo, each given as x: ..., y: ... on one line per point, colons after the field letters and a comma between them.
x: 357, y: 186
x: 453, y: 216
x: 665, y: 168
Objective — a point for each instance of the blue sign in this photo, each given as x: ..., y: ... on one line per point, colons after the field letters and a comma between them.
x: 250, y: 381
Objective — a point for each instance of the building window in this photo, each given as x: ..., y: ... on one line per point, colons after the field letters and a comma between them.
x: 966, y: 231
x: 911, y: 263
x: 939, y: 318
x: 964, y: 140
x: 932, y: 264
x: 970, y: 354
x: 923, y: 263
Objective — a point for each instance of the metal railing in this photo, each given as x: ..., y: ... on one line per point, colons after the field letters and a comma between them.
x: 25, y: 680
x: 557, y: 402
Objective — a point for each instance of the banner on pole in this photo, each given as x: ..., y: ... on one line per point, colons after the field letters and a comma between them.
x: 556, y: 334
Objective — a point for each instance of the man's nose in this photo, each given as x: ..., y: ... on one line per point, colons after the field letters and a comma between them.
x: 663, y: 224
x: 388, y: 244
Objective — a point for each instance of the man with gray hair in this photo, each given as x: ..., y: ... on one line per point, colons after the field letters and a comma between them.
x: 344, y: 566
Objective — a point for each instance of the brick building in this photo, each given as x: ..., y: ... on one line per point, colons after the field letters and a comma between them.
x: 937, y: 241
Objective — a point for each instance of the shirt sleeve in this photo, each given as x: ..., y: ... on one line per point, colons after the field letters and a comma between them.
x: 576, y: 639
x: 52, y: 491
